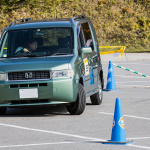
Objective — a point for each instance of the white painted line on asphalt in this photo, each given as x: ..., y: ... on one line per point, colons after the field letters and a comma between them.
x: 127, y: 76
x: 105, y: 113
x: 134, y: 81
x: 138, y: 146
x: 122, y: 76
x: 134, y: 64
x: 139, y: 138
x: 142, y: 86
x: 134, y: 85
x: 57, y: 143
x: 136, y: 117
x: 58, y: 133
x: 52, y: 132
x: 39, y: 144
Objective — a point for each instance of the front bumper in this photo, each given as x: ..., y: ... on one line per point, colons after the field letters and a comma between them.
x: 54, y: 91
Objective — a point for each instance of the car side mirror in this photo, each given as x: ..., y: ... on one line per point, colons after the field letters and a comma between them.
x: 86, y: 50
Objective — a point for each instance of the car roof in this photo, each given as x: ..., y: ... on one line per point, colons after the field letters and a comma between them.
x: 41, y: 24
x: 28, y: 23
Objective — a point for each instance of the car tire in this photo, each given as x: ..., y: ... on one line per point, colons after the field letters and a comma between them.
x: 77, y: 107
x: 3, y: 110
x: 97, y: 98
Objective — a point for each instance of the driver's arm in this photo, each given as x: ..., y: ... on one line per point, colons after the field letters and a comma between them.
x: 21, y: 50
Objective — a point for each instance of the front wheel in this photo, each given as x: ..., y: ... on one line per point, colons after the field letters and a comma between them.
x: 77, y: 107
x: 97, y: 98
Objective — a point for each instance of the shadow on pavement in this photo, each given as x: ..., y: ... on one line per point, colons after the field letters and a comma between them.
x: 44, y: 111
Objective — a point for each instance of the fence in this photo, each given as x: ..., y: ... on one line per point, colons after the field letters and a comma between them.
x: 121, y: 50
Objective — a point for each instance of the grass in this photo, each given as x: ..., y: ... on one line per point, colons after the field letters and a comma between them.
x: 117, y: 22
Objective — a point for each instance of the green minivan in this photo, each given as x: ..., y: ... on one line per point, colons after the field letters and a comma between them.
x: 50, y: 62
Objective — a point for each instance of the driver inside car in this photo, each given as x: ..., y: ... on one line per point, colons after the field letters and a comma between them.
x: 31, y: 47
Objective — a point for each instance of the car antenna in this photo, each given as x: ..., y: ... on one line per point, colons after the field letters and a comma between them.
x: 56, y: 14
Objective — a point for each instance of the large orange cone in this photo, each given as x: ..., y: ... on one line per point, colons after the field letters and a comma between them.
x: 118, y: 129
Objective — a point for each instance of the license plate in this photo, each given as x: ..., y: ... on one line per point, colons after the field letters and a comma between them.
x: 28, y: 93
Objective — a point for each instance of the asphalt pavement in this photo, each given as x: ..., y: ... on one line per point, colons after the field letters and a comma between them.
x: 51, y: 128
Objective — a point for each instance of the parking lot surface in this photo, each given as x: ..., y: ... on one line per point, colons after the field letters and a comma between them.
x: 54, y: 128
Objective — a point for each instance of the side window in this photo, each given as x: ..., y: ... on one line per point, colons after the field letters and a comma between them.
x: 4, y: 47
x: 84, y: 36
x: 87, y: 35
x: 81, y: 39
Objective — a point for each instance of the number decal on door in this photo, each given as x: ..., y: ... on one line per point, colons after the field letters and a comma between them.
x: 86, y: 66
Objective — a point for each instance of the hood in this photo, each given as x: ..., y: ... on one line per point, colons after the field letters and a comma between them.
x: 35, y: 63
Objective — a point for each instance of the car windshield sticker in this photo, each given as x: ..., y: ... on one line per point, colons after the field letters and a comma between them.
x: 86, y: 66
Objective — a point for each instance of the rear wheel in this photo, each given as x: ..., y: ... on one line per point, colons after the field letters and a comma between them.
x: 3, y: 110
x: 77, y: 107
x: 96, y: 99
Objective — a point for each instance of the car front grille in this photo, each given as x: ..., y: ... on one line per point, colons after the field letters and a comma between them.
x: 29, y: 75
x: 28, y: 85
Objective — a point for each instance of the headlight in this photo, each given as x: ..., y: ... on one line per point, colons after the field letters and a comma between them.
x: 2, y: 76
x: 62, y: 73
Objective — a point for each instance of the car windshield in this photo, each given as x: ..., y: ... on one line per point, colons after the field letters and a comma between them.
x: 37, y: 42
